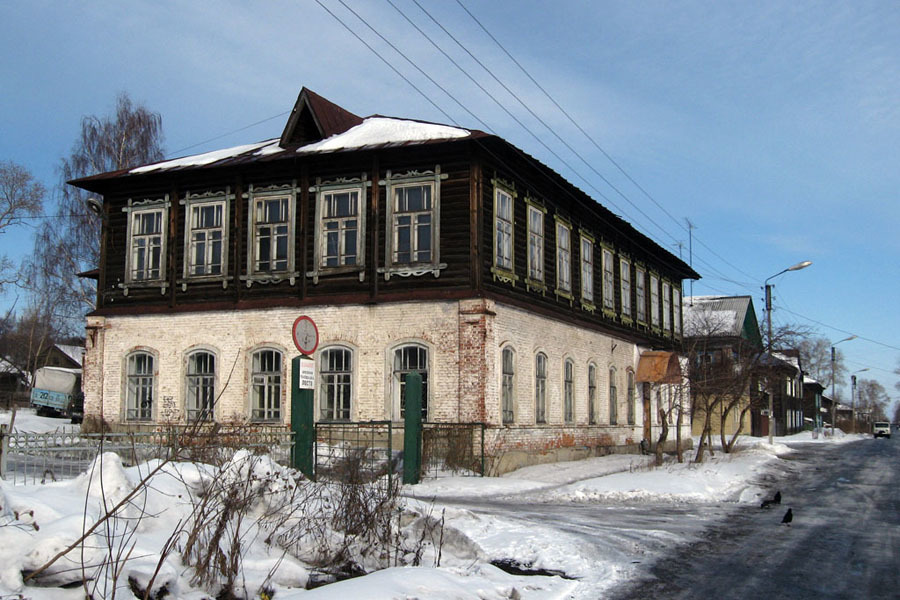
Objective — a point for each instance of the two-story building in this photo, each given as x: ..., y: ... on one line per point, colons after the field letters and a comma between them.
x: 523, y: 302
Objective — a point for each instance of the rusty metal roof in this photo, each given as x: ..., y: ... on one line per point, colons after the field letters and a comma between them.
x: 658, y: 367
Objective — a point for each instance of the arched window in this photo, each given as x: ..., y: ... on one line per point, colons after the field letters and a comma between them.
x: 613, y: 399
x: 335, y: 384
x: 200, y: 386
x: 408, y: 359
x: 592, y: 394
x: 507, y: 385
x: 631, y: 397
x: 569, y: 392
x: 540, y: 388
x: 141, y: 381
x: 265, y: 382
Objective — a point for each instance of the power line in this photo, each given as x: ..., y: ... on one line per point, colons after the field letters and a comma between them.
x: 591, y: 139
x: 218, y: 137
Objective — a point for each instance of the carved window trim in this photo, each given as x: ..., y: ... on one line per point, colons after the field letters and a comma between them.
x: 587, y: 243
x: 504, y: 233
x: 256, y: 194
x: 191, y: 201
x: 133, y: 209
x: 537, y: 244
x: 563, y: 257
x: 359, y: 185
x: 392, y: 183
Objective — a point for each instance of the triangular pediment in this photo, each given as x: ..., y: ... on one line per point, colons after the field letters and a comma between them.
x: 314, y: 118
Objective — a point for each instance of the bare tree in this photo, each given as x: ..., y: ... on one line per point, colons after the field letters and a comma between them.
x: 70, y: 245
x: 21, y: 196
x: 872, y: 399
x: 815, y: 353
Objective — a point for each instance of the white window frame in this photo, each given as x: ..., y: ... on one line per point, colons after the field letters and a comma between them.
x: 676, y: 306
x: 336, y: 386
x: 393, y: 184
x: 504, y: 229
x: 325, y: 191
x: 640, y: 292
x: 398, y: 373
x: 199, y: 202
x: 151, y: 276
x: 140, y: 385
x: 587, y: 270
x: 631, y: 396
x: 563, y: 258
x: 592, y: 393
x: 666, y: 306
x: 257, y: 196
x: 625, y: 286
x: 609, y: 279
x: 200, y: 386
x: 654, y: 300
x: 536, y: 242
x: 613, y: 398
x: 540, y: 388
x: 508, y: 385
x: 568, y: 391
x: 266, y: 407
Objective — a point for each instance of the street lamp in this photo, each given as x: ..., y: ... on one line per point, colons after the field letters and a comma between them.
x: 853, y: 397
x: 833, y: 399
x: 797, y: 267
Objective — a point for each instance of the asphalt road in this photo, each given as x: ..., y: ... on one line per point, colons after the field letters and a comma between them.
x: 844, y: 541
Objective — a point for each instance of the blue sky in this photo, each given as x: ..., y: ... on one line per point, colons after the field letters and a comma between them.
x: 772, y: 126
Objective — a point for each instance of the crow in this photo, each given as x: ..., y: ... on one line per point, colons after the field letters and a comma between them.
x: 788, y: 517
x: 776, y: 499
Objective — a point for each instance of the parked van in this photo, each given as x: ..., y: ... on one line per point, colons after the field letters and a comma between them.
x: 882, y: 428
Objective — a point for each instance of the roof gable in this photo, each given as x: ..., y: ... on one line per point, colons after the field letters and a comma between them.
x: 314, y: 118
x: 722, y: 316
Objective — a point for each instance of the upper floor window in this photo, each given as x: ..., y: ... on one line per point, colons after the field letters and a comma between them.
x: 503, y: 230
x: 569, y: 391
x: 587, y: 269
x: 146, y: 240
x: 535, y: 244
x: 140, y: 386
x: 654, y: 300
x: 540, y: 388
x: 408, y: 359
x: 265, y: 385
x: 609, y: 292
x: 640, y: 293
x: 200, y: 386
x: 676, y: 306
x: 340, y: 228
x: 667, y: 306
x: 206, y: 234
x: 413, y: 223
x: 563, y: 257
x: 625, y: 286
x: 507, y: 386
x: 271, y: 228
x: 335, y: 384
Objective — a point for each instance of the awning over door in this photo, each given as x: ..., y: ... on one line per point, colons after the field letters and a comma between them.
x: 659, y: 367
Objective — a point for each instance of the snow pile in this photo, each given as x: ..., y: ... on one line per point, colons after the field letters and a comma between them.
x: 28, y: 421
x: 207, y: 158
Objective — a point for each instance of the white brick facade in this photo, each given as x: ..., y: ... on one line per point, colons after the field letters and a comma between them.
x: 464, y: 341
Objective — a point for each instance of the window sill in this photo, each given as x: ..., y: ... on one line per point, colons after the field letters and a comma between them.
x: 504, y: 275
x: 535, y: 285
x: 145, y: 284
x: 326, y: 271
x: 412, y: 270
x: 204, y: 279
x: 268, y: 278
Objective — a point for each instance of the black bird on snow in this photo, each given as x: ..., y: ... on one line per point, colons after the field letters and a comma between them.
x: 776, y: 499
x: 788, y: 517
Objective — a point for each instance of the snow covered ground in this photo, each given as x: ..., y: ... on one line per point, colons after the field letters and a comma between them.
x: 37, y: 521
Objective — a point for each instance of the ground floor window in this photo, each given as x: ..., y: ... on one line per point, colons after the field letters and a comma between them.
x: 265, y: 385
x: 201, y: 386
x: 408, y: 359
x: 139, y: 394
x: 335, y: 384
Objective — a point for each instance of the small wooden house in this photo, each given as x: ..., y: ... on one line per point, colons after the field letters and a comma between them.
x: 524, y: 303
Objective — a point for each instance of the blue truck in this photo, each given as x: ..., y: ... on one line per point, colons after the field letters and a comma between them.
x: 57, y: 392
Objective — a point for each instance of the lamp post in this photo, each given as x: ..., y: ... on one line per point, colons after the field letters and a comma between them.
x: 853, y: 398
x: 797, y: 267
x: 833, y: 399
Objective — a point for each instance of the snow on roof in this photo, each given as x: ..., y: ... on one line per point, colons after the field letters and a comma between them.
x: 206, y: 158
x: 372, y: 131
x: 76, y: 353
x: 385, y: 130
x: 714, y: 315
x: 8, y: 367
